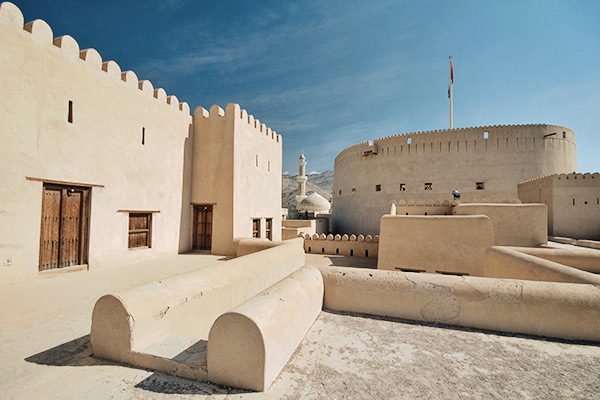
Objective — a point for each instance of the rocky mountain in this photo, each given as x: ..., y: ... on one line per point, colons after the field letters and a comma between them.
x: 320, y: 183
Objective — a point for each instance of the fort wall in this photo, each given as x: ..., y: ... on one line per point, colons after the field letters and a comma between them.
x: 69, y: 116
x: 573, y: 202
x: 484, y: 163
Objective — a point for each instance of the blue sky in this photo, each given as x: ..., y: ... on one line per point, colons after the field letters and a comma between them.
x: 329, y: 74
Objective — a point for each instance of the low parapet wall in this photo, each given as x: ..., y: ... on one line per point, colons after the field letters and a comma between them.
x: 514, y: 224
x: 149, y: 325
x: 583, y: 259
x: 248, y: 346
x: 592, y: 244
x: 243, y: 246
x: 292, y: 228
x: 442, y: 244
x: 562, y: 310
x: 506, y: 262
x: 307, y: 224
x: 353, y: 246
x: 290, y: 233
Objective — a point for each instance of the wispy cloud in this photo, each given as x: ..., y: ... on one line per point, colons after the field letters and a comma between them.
x: 275, y: 43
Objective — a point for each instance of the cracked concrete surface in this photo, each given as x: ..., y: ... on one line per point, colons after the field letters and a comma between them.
x: 46, y: 352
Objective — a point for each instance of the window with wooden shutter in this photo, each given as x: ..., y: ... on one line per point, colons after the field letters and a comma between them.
x: 256, y: 228
x: 140, y: 230
x: 269, y: 228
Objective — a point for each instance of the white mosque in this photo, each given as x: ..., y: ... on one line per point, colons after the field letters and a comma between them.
x: 312, y: 206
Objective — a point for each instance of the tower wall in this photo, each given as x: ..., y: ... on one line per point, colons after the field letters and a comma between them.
x: 497, y: 156
x: 237, y: 169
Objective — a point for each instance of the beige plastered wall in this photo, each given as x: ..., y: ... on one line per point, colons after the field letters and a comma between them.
x: 514, y: 224
x: 573, y: 202
x: 449, y: 159
x: 39, y: 75
x: 237, y: 169
x: 435, y: 244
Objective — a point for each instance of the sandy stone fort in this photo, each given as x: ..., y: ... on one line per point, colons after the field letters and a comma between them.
x: 485, y: 164
x: 145, y: 254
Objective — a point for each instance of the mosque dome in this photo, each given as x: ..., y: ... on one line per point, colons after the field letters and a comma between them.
x: 314, y: 202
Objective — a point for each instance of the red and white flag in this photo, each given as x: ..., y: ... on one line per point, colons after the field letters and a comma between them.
x: 451, y: 78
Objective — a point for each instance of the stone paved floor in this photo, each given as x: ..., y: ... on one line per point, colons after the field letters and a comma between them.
x: 45, y: 352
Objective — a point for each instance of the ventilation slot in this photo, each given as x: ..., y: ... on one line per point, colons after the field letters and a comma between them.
x: 70, y: 115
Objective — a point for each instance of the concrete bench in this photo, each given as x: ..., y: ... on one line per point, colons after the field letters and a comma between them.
x: 248, y: 346
x: 165, y: 325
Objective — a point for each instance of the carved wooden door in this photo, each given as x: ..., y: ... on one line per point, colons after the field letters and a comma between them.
x: 63, y: 234
x: 203, y: 220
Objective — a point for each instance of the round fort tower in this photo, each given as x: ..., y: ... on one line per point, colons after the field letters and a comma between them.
x: 484, y: 163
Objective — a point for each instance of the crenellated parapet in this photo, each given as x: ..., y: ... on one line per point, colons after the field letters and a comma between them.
x: 234, y: 111
x: 573, y: 179
x: 343, y: 245
x: 440, y: 207
x: 66, y: 46
x: 468, y: 139
x: 339, y: 238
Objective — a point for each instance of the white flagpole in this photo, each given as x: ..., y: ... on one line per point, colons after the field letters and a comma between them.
x: 450, y: 90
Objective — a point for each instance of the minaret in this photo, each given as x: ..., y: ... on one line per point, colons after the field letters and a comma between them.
x: 301, y: 179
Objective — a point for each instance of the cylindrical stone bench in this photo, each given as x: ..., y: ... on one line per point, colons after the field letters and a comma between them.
x: 248, y: 346
x: 149, y: 325
x: 561, y: 310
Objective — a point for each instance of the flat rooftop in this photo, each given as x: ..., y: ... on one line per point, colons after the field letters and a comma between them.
x: 46, y: 352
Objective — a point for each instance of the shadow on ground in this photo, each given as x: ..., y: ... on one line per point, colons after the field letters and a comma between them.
x: 356, y: 262
x: 163, y: 383
x: 78, y: 353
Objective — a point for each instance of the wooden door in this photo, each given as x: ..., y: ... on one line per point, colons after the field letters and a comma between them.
x: 203, y: 220
x: 49, y: 238
x: 64, y: 227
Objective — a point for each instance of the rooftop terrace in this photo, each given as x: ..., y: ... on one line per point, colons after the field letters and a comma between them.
x: 46, y: 352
